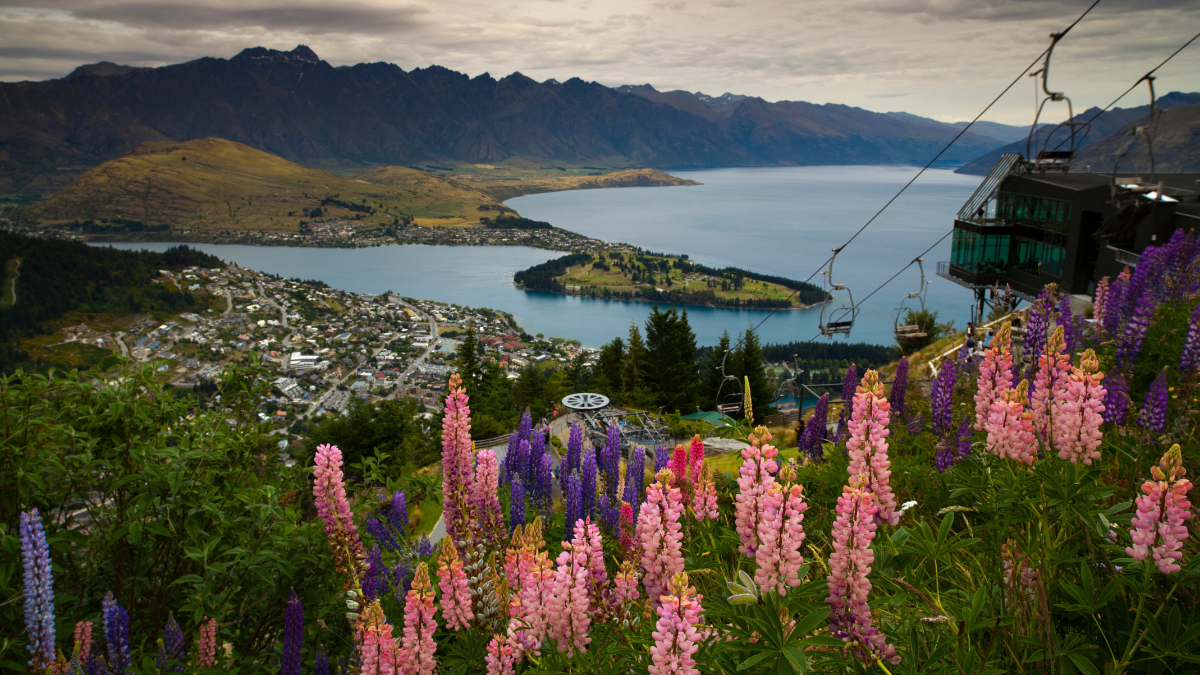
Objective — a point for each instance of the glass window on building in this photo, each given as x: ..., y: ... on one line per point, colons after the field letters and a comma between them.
x: 1035, y: 257
x: 980, y: 253
x: 1049, y: 214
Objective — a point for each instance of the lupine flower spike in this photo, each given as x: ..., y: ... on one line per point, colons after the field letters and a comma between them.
x: 995, y: 375
x: 781, y: 535
x: 458, y: 461
x: 1158, y: 531
x: 83, y: 641
x: 1050, y: 385
x: 570, y: 599
x: 377, y: 652
x: 756, y: 478
x: 416, y: 652
x: 206, y: 643
x: 675, y: 635
x: 485, y: 500
x: 39, y: 592
x: 456, y: 598
x: 660, y: 535
x: 1153, y: 417
x: 116, y: 634
x: 329, y: 492
x: 1189, y: 360
x: 1010, y: 427
x: 868, y: 447
x: 293, y: 635
x: 1080, y: 413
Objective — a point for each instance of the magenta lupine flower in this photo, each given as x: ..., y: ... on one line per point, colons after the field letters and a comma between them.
x: 755, y: 479
x: 377, y: 652
x: 1153, y: 417
x: 1189, y: 360
x: 1049, y: 385
x: 1158, y: 531
x: 995, y: 374
x: 458, y: 461
x: 570, y: 599
x: 39, y: 592
x: 1130, y: 343
x: 868, y: 447
x: 417, y: 645
x: 660, y: 535
x: 675, y: 635
x: 500, y: 657
x: 848, y: 387
x: 485, y: 500
x: 849, y: 583
x: 1099, y: 303
x: 899, y: 388
x: 1080, y: 412
x: 206, y: 643
x: 679, y: 465
x: 941, y: 399
x: 780, y: 538
x: 293, y: 635
x: 329, y: 492
x: 1010, y: 427
x: 696, y: 458
x: 625, y: 542
x: 83, y: 641
x: 456, y: 598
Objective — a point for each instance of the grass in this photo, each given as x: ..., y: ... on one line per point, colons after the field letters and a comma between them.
x: 524, y: 176
x: 616, y: 280
x: 210, y: 185
x: 431, y: 511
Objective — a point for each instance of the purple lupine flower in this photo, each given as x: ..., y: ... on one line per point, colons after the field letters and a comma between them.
x: 849, y: 386
x: 533, y: 458
x: 611, y: 464
x: 899, y: 388
x: 173, y: 646
x: 1190, y: 358
x: 516, y: 503
x: 916, y: 424
x: 39, y: 592
x: 1116, y: 400
x: 941, y: 398
x: 587, y: 481
x: 1035, y: 331
x: 525, y: 430
x: 1153, y: 417
x: 516, y: 463
x: 293, y: 635
x: 375, y: 581
x: 965, y: 436
x: 574, y: 454
x: 401, y: 583
x: 321, y: 664
x: 116, y: 633
x: 1072, y: 325
x: 424, y: 547
x: 543, y: 486
x: 398, y: 514
x: 662, y: 457
x: 635, y: 478
x: 1114, y: 302
x: 382, y: 534
x: 814, y: 432
x: 1130, y: 343
x: 574, y: 504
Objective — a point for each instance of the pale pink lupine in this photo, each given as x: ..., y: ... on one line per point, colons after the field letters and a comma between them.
x: 1023, y: 585
x: 530, y: 592
x: 848, y: 580
x: 458, y: 461
x: 1099, y: 303
x: 329, y: 493
x: 704, y: 497
x: 206, y: 643
x: 660, y: 535
x: 1158, y: 531
x: 1079, y: 413
x: 995, y: 374
x: 377, y: 651
x: 675, y: 635
x: 83, y: 640
x: 456, y: 598
x: 1050, y: 386
x: 780, y: 537
x: 625, y: 585
x: 417, y: 645
x: 501, y: 657
x: 755, y: 478
x: 588, y: 535
x: 1010, y: 427
x: 868, y: 447
x: 568, y: 615
x: 485, y: 500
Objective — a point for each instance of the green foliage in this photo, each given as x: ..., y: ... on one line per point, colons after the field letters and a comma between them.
x: 927, y: 323
x: 388, y: 430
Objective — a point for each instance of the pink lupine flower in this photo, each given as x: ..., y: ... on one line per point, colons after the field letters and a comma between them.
x: 625, y: 584
x: 1019, y: 576
x: 485, y: 500
x: 458, y: 461
x: 1010, y: 427
x: 456, y: 598
x: 868, y: 447
x: 850, y: 567
x: 500, y: 657
x: 678, y: 466
x: 568, y: 614
x: 755, y: 478
x: 1080, y: 413
x: 675, y: 635
x: 206, y: 643
x: 995, y: 374
x: 329, y: 493
x: 83, y: 640
x: 417, y: 646
x: 1158, y: 531
x: 696, y: 458
x: 587, y: 534
x: 1050, y: 385
x: 660, y: 535
x: 780, y: 537
x: 530, y: 593
x: 377, y: 651
x: 704, y: 498
x: 1099, y: 303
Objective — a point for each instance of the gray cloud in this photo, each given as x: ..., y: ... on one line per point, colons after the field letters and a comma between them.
x: 309, y: 20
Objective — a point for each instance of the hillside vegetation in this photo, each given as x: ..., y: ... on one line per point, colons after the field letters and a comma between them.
x: 505, y: 184
x: 1176, y: 146
x: 211, y: 185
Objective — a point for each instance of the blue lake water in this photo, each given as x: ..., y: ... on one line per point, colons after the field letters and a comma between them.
x: 782, y: 221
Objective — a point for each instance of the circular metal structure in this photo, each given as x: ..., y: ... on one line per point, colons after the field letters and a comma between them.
x: 584, y: 401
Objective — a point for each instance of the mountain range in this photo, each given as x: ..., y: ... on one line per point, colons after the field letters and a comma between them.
x: 351, y: 118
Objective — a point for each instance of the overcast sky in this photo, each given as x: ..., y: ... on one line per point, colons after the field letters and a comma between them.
x: 938, y: 58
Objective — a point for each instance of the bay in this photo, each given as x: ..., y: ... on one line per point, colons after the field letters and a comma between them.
x: 778, y: 220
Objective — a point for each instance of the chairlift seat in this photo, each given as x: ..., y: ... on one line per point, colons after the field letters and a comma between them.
x: 907, y: 329
x: 728, y: 408
x: 905, y: 336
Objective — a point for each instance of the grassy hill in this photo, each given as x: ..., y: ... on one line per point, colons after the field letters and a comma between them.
x: 211, y: 185
x: 524, y: 176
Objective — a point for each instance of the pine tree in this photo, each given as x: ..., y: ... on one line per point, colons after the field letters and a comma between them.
x: 636, y: 371
x: 749, y: 364
x: 610, y: 380
x: 671, y: 369
x: 467, y: 356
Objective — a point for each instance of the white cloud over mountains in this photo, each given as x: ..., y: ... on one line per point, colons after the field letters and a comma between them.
x: 939, y: 58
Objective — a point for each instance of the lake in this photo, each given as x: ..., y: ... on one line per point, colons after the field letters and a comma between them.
x: 778, y: 220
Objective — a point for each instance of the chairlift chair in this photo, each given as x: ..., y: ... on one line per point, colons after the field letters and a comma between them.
x: 730, y: 398
x: 912, y: 331
x: 840, y: 320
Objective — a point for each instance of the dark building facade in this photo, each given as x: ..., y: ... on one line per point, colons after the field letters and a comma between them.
x: 1025, y: 229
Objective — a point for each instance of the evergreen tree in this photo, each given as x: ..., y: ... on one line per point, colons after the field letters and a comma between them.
x: 467, y: 356
x: 635, y: 372
x: 713, y: 376
x: 531, y: 391
x: 749, y: 364
x: 610, y: 380
x: 671, y: 369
